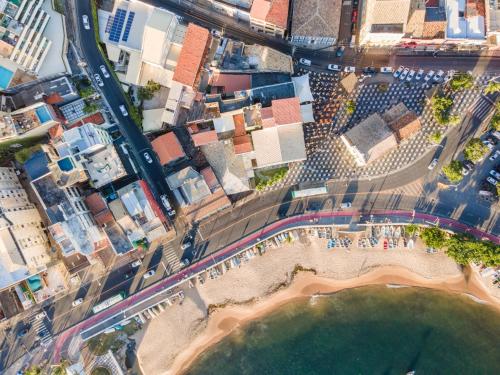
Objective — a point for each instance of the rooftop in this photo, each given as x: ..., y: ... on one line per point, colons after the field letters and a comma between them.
x: 37, y: 165
x: 192, y: 55
x: 95, y: 203
x: 168, y: 148
x: 286, y: 111
x: 316, y: 18
x: 232, y: 82
x: 104, y: 166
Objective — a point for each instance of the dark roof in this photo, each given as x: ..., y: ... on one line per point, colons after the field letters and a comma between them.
x: 435, y: 14
x: 37, y: 165
x: 54, y: 199
x: 265, y: 79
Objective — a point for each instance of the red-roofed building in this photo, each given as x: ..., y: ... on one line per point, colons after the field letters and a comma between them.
x: 270, y: 16
x: 286, y: 111
x: 229, y: 83
x: 204, y: 138
x: 209, y: 176
x: 96, y: 118
x: 242, y: 144
x: 95, y: 203
x: 168, y: 148
x: 193, y: 53
x: 56, y: 131
x: 267, y: 117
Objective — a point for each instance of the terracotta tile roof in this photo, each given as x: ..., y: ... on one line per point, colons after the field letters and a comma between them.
x: 53, y: 98
x: 75, y: 124
x: 104, y: 217
x: 96, y: 118
x: 204, y: 138
x: 242, y: 144
x: 278, y: 14
x: 191, y: 57
x: 209, y: 176
x: 239, y: 124
x: 168, y: 148
x: 286, y: 111
x: 95, y: 203
x: 260, y: 9
x: 267, y: 117
x: 406, y: 126
x: 232, y: 82
x: 56, y: 131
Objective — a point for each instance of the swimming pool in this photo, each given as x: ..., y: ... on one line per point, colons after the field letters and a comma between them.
x: 5, y: 77
x: 43, y: 114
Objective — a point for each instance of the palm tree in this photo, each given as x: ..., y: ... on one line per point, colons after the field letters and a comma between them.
x: 33, y: 370
x: 60, y: 368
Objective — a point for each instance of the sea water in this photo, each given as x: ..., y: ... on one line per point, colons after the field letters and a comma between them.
x: 371, y: 330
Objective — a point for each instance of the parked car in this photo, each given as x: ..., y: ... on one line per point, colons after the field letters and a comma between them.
x: 369, y: 70
x: 492, y: 140
x: 305, y: 61
x: 165, y: 202
x: 403, y: 75
x: 354, y: 18
x: 488, y: 144
x: 429, y: 75
x: 148, y: 274
x: 98, y: 79
x: 465, y: 171
x: 438, y: 77
x: 494, y: 156
x: 185, y: 262
x: 419, y: 75
x: 432, y: 164
x: 335, y: 68
x: 468, y: 164
x: 147, y: 157
x: 410, y: 76
x: 136, y: 263
x: 77, y: 302
x: 104, y: 71
x: 495, y: 174
x: 349, y: 69
x: 386, y: 69
x: 340, y: 51
x: 398, y: 72
x: 85, y: 20
x: 185, y: 245
x: 123, y: 110
x: 492, y: 181
x: 346, y: 205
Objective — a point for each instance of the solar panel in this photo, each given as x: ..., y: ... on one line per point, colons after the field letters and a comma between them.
x: 117, y: 26
x: 130, y: 19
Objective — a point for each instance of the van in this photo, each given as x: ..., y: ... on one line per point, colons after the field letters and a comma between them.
x: 346, y: 205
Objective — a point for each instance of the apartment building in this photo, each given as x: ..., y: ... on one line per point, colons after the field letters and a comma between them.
x: 270, y: 17
x: 493, y: 22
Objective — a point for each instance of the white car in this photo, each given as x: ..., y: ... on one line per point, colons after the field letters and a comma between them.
x: 439, y: 76
x: 186, y: 245
x: 86, y: 24
x: 419, y: 75
x: 410, y: 75
x: 148, y: 274
x: 147, y: 157
x: 495, y: 174
x: 433, y: 164
x: 98, y: 79
x: 123, y: 110
x: 386, y: 69
x: 349, y: 69
x: 335, y: 68
x: 136, y: 263
x: 496, y: 134
x: 346, y: 205
x: 77, y: 302
x: 403, y: 75
x: 398, y: 72
x: 165, y: 202
x: 104, y: 71
x: 429, y: 76
x: 40, y: 315
x: 305, y: 61
x: 489, y: 145
x: 495, y: 155
x: 492, y: 181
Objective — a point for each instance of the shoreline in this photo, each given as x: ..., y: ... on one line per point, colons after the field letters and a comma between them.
x: 226, y: 320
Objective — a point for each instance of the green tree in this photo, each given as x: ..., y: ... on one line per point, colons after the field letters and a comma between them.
x: 90, y: 107
x: 85, y: 92
x: 464, y: 249
x: 147, y: 92
x: 498, y: 190
x: 475, y: 150
x: 411, y: 229
x: 60, y: 368
x: 492, y: 87
x: 457, y: 249
x: 33, y: 370
x: 436, y: 137
x: 441, y: 106
x: 461, y: 81
x: 433, y: 237
x: 453, y: 171
x: 495, y: 121
x: 351, y: 107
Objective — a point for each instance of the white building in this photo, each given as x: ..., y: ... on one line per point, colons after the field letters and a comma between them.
x: 84, y: 139
x: 23, y: 243
x: 493, y: 21
x: 464, y: 21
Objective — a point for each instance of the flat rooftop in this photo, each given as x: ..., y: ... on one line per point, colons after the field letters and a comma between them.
x: 316, y: 18
x: 104, y: 167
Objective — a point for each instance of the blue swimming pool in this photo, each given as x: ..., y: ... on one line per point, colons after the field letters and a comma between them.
x: 43, y: 114
x: 5, y: 77
x: 65, y: 164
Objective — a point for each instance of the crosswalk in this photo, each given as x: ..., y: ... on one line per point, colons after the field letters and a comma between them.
x: 481, y: 108
x: 42, y: 331
x: 171, y: 259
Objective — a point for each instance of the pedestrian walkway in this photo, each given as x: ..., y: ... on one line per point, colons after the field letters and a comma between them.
x: 42, y: 330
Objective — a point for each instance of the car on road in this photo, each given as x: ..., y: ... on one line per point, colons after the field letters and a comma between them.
x: 419, y: 75
x: 136, y: 263
x: 429, y: 75
x: 165, y: 202
x: 77, y: 302
x: 433, y: 164
x: 305, y: 61
x: 98, y: 79
x: 495, y: 174
x: 386, y: 69
x: 40, y: 315
x: 492, y: 181
x: 334, y: 67
x: 369, y: 70
x: 123, y: 110
x: 148, y: 274
x: 410, y: 76
x: 468, y: 164
x: 488, y: 144
x: 438, y: 77
x: 148, y: 157
x: 104, y: 71
x: 346, y: 205
x: 185, y: 262
x: 398, y: 72
x: 354, y: 18
x: 495, y: 155
x: 340, y: 51
x: 186, y: 245
x: 349, y: 69
x: 85, y: 20
x: 403, y: 75
x: 465, y: 171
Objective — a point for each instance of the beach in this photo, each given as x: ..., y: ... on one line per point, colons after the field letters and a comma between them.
x: 171, y: 342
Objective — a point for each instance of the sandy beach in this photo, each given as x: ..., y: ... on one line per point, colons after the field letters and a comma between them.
x: 170, y: 343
